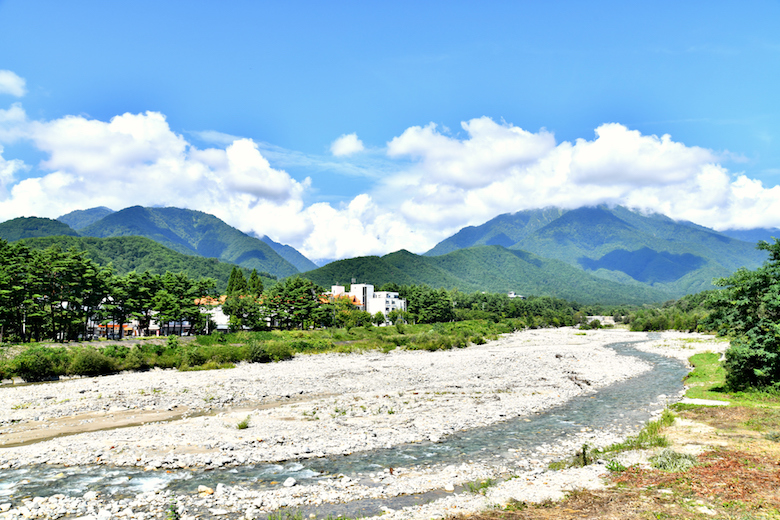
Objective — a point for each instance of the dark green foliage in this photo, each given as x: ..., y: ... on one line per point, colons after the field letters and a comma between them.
x: 748, y: 308
x: 91, y: 362
x: 295, y: 303
x: 688, y: 314
x: 136, y: 360
x: 38, y: 364
x: 193, y: 356
x: 237, y: 283
x: 26, y: 227
x: 255, y: 284
x: 270, y: 351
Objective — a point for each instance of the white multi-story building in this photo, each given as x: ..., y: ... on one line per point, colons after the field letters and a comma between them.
x: 366, y: 299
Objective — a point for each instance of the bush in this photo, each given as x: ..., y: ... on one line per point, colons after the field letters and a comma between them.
x: 192, y: 357
x: 136, y: 360
x: 278, y: 351
x: 91, y: 362
x: 749, y: 365
x: 34, y: 364
x: 269, y: 351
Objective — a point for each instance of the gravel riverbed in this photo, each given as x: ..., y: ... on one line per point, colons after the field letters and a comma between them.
x: 315, y: 406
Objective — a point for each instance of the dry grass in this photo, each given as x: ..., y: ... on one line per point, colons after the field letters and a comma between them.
x: 738, y: 477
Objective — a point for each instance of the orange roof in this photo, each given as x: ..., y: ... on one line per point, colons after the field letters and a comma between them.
x: 354, y: 300
x: 208, y: 300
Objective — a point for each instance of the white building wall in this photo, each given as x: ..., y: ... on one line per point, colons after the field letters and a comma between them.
x: 372, y: 301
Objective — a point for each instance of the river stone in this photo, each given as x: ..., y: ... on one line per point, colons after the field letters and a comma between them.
x: 449, y: 487
x: 290, y: 482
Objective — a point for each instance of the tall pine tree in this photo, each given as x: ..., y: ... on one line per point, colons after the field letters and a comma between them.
x: 236, y: 283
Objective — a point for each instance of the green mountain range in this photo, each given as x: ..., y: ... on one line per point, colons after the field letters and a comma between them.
x: 193, y: 233
x: 291, y: 254
x: 486, y: 268
x: 617, y: 244
x: 81, y: 218
x: 753, y: 235
x: 591, y: 254
x: 26, y: 227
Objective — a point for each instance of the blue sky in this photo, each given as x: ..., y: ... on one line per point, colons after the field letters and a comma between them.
x: 459, y: 113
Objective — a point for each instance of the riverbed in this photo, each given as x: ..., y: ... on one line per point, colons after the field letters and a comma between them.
x: 175, y: 432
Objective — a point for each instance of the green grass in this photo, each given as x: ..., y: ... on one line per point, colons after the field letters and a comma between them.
x: 479, y: 487
x: 707, y: 380
x: 649, y: 437
x: 243, y: 425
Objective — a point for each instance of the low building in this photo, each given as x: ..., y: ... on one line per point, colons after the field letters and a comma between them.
x: 366, y: 299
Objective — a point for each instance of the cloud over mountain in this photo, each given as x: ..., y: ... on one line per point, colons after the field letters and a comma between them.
x: 430, y: 182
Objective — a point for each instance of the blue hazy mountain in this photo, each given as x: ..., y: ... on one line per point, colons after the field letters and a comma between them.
x: 617, y: 244
x: 82, y: 218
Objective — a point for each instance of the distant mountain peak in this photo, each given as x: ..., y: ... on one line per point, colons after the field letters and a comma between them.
x: 193, y: 232
x: 81, y: 218
x: 290, y: 254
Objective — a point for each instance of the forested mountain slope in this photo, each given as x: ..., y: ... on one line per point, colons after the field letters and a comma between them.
x: 485, y: 268
x: 624, y: 245
x: 291, y: 254
x: 193, y: 233
x: 25, y: 227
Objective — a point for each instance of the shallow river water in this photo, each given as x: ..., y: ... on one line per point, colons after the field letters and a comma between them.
x: 626, y: 405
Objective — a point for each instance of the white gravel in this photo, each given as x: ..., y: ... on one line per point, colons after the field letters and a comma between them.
x: 327, y: 404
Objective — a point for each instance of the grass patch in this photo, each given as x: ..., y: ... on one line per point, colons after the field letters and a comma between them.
x: 649, y: 437
x: 707, y: 380
x: 479, y: 487
x: 670, y: 460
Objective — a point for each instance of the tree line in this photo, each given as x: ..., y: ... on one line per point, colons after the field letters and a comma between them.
x: 58, y: 295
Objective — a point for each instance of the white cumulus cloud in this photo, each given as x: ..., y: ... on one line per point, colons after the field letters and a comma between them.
x: 137, y: 159
x: 12, y: 84
x: 347, y: 144
x: 431, y: 182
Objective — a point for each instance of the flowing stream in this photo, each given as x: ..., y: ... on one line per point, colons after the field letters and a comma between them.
x: 626, y: 404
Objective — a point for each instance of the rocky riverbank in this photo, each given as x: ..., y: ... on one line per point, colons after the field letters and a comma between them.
x: 313, y: 406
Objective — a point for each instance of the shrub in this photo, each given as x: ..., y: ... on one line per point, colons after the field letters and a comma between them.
x: 257, y: 353
x: 172, y: 342
x: 34, y: 364
x: 91, y: 362
x: 136, y: 360
x: 192, y: 357
x: 118, y: 352
x: 750, y: 365
x: 278, y: 351
x: 269, y: 351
